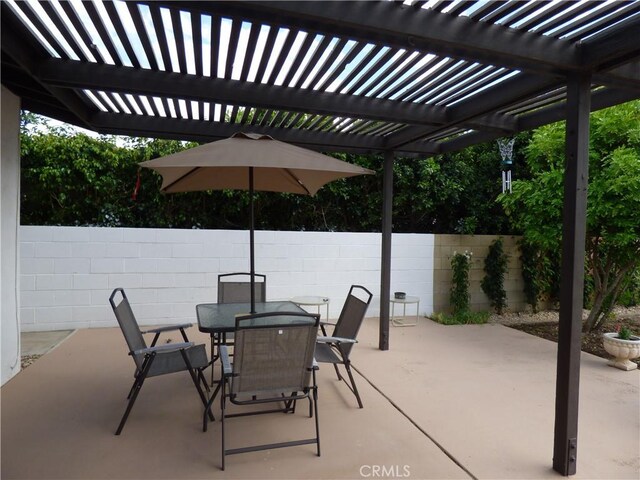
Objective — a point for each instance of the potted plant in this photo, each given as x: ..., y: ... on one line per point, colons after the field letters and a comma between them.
x: 624, y: 346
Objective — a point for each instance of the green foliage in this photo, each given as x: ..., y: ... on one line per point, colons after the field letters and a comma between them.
x: 495, y: 267
x: 529, y: 258
x: 630, y: 295
x: 462, y: 318
x: 75, y: 179
x: 613, y: 209
x: 624, y: 333
x: 459, y: 297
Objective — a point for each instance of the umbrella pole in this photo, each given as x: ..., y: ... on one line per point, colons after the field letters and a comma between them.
x: 251, y: 243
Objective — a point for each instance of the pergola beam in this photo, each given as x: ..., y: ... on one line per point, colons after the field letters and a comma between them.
x: 70, y: 74
x: 383, y: 22
x: 197, y: 130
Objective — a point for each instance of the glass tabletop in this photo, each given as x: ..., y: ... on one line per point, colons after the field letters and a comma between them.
x: 221, y: 317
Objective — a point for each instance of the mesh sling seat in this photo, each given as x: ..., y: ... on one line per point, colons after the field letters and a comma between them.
x: 155, y: 360
x: 273, y: 363
x: 336, y: 348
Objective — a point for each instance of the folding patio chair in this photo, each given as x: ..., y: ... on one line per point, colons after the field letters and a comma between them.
x: 273, y: 362
x: 155, y: 360
x: 236, y: 288
x: 336, y: 348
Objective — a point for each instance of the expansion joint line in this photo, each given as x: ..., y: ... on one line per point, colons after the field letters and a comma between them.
x: 404, y: 414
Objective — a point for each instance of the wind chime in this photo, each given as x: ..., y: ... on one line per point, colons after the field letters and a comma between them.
x: 506, y: 152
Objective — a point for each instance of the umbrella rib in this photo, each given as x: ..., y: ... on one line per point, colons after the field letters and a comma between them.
x: 195, y: 169
x: 297, y: 180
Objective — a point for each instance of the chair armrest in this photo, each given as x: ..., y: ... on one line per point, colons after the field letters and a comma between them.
x: 167, y: 347
x: 168, y: 328
x: 224, y: 358
x: 336, y: 340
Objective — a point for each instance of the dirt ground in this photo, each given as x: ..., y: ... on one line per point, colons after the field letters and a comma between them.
x: 591, y: 342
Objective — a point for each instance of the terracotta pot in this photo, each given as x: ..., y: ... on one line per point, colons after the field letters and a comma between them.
x: 622, y: 350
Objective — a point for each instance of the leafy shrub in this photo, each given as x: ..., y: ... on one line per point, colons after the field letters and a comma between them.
x: 464, y: 318
x: 495, y: 266
x: 459, y: 298
x: 529, y: 259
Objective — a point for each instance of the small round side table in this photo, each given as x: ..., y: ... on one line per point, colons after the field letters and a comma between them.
x: 408, y: 300
x: 313, y: 301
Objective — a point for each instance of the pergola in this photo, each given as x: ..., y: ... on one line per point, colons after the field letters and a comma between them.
x: 412, y: 78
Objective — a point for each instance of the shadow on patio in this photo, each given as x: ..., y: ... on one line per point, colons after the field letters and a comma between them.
x: 446, y: 402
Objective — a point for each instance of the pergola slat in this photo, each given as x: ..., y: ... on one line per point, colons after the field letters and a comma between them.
x: 122, y: 34
x: 158, y: 26
x: 102, y: 32
x: 134, y: 11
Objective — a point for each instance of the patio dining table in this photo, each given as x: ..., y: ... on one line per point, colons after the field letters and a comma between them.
x: 220, y: 318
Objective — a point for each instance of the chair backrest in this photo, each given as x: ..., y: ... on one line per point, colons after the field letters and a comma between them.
x: 236, y: 288
x: 352, y: 314
x: 128, y: 324
x: 273, y: 353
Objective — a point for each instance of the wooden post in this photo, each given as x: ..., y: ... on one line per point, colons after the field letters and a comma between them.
x: 576, y: 178
x: 385, y: 270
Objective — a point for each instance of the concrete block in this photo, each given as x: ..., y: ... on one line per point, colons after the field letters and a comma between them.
x: 45, y: 315
x: 72, y: 298
x: 27, y: 249
x: 90, y: 281
x: 72, y: 234
x: 32, y: 298
x: 171, y: 265
x: 107, y: 235
x: 140, y: 265
x: 101, y: 297
x: 107, y: 265
x: 92, y: 313
x: 27, y: 282
x: 158, y: 280
x: 27, y: 317
x: 139, y: 235
x: 54, y: 282
x: 72, y: 265
x: 36, y: 265
x: 88, y: 250
x: 209, y: 265
x: 191, y: 280
x: 189, y: 250
x: 167, y: 235
x: 123, y: 250
x: 125, y: 280
x: 29, y: 233
x: 227, y: 265
x: 143, y: 295
x: 155, y: 250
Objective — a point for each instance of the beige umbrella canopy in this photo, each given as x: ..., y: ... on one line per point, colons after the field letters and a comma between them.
x: 248, y: 161
x: 225, y: 164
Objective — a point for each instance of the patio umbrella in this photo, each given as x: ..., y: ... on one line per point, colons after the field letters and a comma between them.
x: 253, y: 162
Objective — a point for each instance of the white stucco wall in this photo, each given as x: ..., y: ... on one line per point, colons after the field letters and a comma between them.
x: 9, y: 208
x: 68, y: 273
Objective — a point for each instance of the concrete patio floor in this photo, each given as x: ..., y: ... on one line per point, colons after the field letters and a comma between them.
x: 444, y: 402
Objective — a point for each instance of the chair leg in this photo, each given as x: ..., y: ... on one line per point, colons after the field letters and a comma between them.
x: 222, y: 407
x: 208, y: 407
x: 135, y: 389
x: 335, y: 366
x: 353, y: 382
x: 196, y: 382
x: 203, y: 380
x: 315, y: 407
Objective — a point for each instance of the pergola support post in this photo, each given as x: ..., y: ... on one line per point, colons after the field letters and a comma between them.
x: 576, y: 178
x: 385, y: 270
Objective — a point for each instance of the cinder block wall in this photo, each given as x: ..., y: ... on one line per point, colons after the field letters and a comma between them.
x: 68, y: 273
x: 446, y: 245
